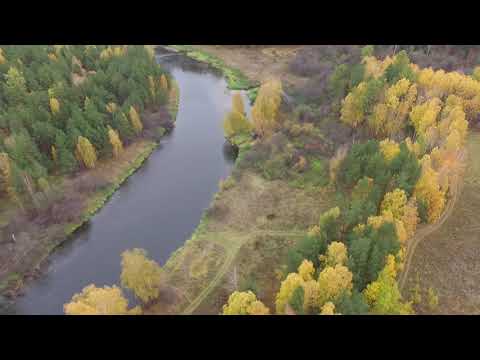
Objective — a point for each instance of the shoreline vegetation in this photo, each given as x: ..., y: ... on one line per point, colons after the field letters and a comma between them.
x: 133, y: 157
x: 236, y: 80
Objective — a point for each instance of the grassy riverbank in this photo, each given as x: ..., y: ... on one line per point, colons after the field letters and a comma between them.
x: 236, y: 80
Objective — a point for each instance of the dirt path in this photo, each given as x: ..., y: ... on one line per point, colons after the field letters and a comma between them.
x: 455, y: 191
x: 229, y: 259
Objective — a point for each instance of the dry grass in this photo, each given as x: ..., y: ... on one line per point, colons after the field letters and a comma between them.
x: 247, y: 231
x: 259, y: 63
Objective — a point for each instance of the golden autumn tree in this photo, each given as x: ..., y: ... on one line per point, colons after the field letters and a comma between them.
x: 334, y: 281
x: 375, y: 67
x: 53, y: 152
x: 287, y: 287
x: 6, y: 186
x: 111, y: 107
x: 152, y: 87
x: 425, y: 115
x: 135, y: 120
x: 390, y: 149
x: 54, y: 106
x: 336, y: 254
x: 389, y: 117
x: 237, y: 103
x: 428, y: 191
x: 311, y: 296
x: 2, y: 57
x: 117, y: 145
x: 141, y: 275
x: 100, y: 301
x: 328, y: 309
x: 236, y: 123
x: 383, y: 295
x: 164, y: 83
x: 395, y: 201
x: 410, y: 217
x: 244, y: 303
x: 265, y: 111
x: 306, y: 270
x: 86, y: 153
x: 352, y: 111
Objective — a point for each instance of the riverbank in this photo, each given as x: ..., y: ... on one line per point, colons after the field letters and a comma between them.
x: 73, y: 201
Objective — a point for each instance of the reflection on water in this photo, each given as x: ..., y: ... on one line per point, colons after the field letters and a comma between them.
x: 159, y: 207
x: 230, y: 152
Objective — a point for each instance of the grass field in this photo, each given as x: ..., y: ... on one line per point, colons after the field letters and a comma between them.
x: 242, y: 239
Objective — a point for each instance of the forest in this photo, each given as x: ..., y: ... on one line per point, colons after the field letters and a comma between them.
x: 344, y: 158
x: 412, y: 124
x: 64, y: 107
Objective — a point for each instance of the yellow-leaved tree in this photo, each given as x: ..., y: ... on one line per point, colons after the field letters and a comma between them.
x: 352, y: 112
x: 336, y: 254
x: 117, y: 145
x: 395, y: 201
x: 6, y: 186
x: 328, y: 309
x: 287, y: 287
x: 54, y: 106
x: 236, y: 123
x: 100, y: 301
x: 306, y: 270
x: 429, y: 192
x: 237, y: 103
x: 86, y: 153
x: 265, y: 111
x: 244, y: 303
x: 164, y: 83
x: 111, y: 107
x: 383, y: 295
x: 141, y: 275
x: 390, y: 149
x: 333, y: 281
x: 135, y: 120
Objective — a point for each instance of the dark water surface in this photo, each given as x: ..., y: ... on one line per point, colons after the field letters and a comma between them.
x: 158, y: 207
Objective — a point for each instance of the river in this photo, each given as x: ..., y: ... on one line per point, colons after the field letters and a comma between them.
x: 158, y: 207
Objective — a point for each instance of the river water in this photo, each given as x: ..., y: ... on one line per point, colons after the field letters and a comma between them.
x: 158, y: 208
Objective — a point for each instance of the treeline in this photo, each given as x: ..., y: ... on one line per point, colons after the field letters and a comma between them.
x: 63, y: 106
x: 417, y: 120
